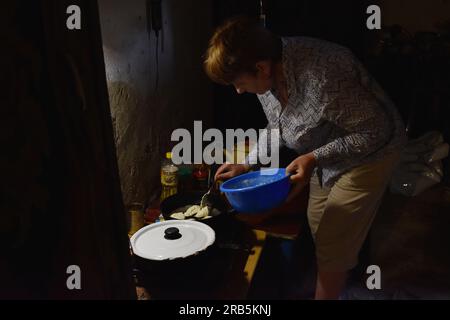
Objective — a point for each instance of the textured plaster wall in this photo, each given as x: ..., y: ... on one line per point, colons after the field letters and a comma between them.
x: 144, y: 116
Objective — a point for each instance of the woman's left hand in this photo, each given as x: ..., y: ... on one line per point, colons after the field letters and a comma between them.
x: 301, y: 170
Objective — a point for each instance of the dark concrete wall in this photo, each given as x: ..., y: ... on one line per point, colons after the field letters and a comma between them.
x: 144, y: 117
x: 415, y: 15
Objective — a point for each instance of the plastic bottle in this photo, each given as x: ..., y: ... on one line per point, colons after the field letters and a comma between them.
x: 169, y: 177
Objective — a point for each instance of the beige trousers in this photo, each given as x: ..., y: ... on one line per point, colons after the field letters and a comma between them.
x: 340, y: 217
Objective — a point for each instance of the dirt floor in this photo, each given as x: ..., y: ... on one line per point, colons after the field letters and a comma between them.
x: 409, y: 241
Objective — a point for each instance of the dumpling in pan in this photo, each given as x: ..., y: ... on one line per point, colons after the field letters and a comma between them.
x: 177, y: 215
x: 192, y: 211
x: 203, y: 212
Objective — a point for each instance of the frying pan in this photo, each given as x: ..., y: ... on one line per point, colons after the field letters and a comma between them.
x: 220, y: 209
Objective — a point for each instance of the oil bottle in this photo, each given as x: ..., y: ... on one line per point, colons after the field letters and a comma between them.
x: 169, y: 177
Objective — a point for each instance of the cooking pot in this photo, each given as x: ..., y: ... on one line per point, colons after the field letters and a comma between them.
x: 173, y: 252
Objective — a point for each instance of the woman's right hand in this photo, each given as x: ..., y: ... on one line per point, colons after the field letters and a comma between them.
x: 229, y: 170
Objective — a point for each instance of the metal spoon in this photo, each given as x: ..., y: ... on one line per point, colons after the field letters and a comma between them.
x: 211, y: 184
x: 205, y: 196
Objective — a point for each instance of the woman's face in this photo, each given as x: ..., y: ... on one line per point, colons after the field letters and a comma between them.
x: 259, y: 83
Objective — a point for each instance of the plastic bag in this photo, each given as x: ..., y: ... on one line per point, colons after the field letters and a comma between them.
x: 420, y: 165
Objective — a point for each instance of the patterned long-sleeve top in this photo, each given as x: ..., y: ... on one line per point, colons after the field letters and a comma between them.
x: 335, y: 109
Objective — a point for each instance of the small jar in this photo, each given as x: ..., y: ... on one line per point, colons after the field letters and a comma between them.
x: 200, y: 176
x: 136, y: 216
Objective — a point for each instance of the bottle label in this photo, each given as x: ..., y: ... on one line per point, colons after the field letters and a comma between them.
x: 169, y: 176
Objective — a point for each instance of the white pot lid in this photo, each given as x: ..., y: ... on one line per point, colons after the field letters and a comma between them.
x: 172, y: 239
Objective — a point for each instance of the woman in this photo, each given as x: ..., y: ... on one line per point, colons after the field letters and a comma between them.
x: 331, y: 111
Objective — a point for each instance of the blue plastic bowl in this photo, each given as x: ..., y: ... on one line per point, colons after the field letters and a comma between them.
x: 255, y: 192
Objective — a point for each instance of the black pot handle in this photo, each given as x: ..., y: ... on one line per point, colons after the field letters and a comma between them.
x: 172, y: 233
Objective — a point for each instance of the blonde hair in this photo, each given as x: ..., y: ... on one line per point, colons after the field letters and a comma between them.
x: 235, y: 48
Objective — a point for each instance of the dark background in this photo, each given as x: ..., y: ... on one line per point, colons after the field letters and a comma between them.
x: 61, y: 200
x: 413, y: 68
